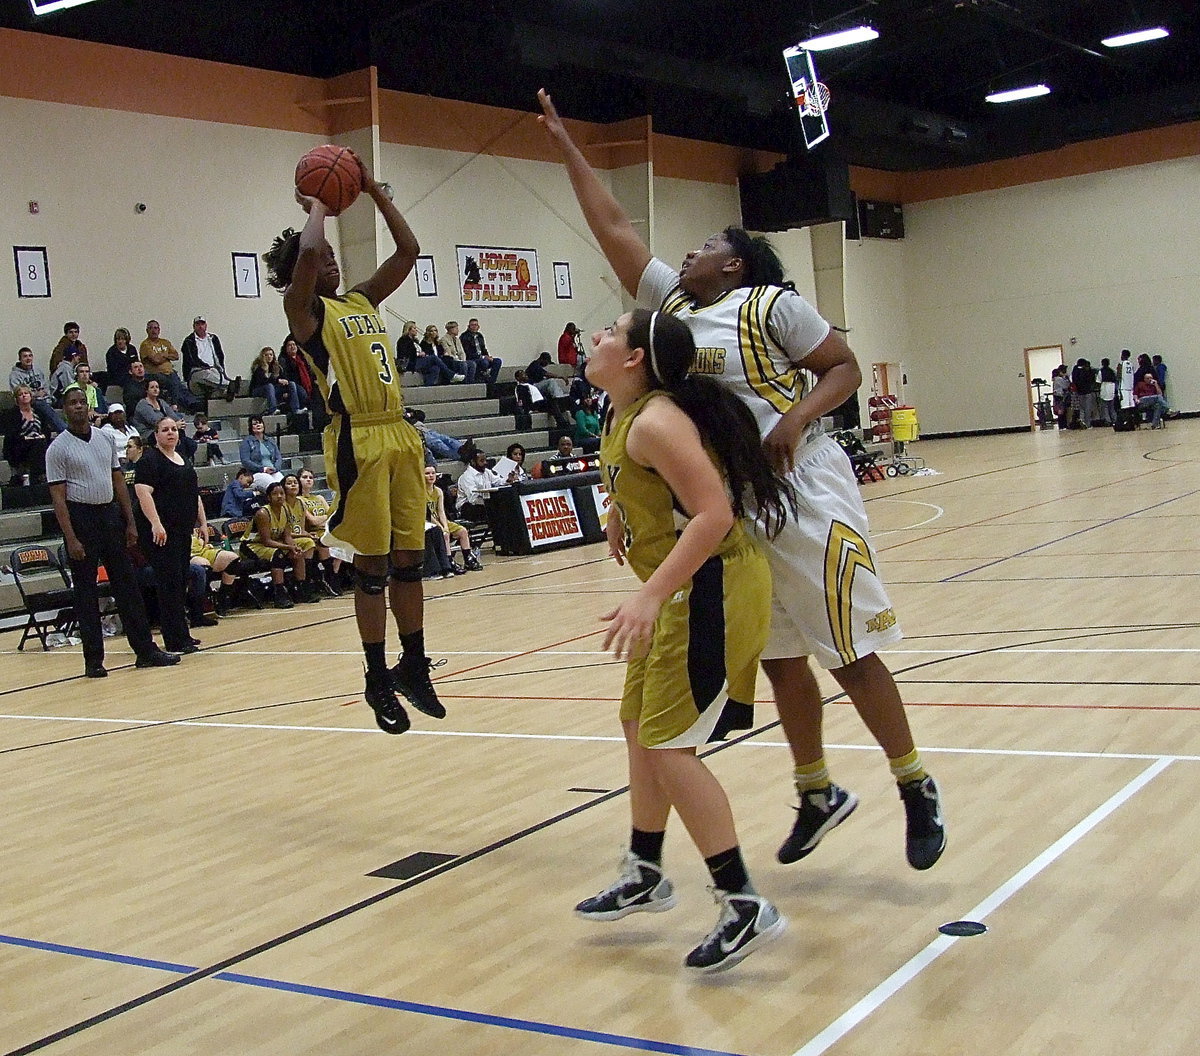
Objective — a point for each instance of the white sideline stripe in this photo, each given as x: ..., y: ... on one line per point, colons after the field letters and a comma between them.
x: 849, y: 1019
x: 1037, y: 754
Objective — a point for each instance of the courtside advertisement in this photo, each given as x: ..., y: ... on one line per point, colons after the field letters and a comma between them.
x: 601, y: 498
x: 550, y: 517
x: 493, y: 277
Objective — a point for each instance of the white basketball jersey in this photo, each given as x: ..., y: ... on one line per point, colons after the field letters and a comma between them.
x: 752, y: 339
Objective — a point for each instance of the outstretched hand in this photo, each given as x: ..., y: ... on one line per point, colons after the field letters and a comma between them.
x: 550, y: 120
x: 307, y: 201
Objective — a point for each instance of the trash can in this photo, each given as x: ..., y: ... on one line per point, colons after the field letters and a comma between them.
x: 904, y: 424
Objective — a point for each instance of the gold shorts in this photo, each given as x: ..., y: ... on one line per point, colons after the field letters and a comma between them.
x: 697, y: 682
x: 375, y: 464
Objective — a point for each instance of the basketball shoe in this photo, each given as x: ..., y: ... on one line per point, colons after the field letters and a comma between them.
x: 390, y: 716
x: 641, y: 888
x: 747, y: 922
x: 410, y: 677
x: 820, y: 811
x: 926, y: 832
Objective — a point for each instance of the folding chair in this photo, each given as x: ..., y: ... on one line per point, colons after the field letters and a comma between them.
x: 27, y: 561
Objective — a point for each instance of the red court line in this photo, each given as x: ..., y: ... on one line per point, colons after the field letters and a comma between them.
x: 528, y: 652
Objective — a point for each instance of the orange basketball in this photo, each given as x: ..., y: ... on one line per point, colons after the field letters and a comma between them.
x: 330, y: 174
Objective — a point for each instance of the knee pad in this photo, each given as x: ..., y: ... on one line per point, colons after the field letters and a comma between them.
x: 369, y: 582
x: 235, y: 568
x: 409, y: 574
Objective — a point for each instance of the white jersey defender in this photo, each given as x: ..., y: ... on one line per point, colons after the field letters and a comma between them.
x: 828, y: 600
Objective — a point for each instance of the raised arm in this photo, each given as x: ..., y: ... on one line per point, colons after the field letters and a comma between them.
x: 619, y: 242
x: 393, y: 271
x: 299, y: 297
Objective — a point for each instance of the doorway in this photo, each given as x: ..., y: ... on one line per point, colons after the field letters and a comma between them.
x: 1040, y: 362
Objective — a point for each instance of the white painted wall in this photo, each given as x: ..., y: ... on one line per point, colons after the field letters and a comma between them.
x: 211, y: 190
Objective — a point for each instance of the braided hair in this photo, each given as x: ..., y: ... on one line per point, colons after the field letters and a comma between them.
x: 762, y: 264
x: 723, y: 421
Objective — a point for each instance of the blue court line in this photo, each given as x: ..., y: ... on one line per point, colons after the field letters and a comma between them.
x: 1063, y: 538
x: 351, y: 997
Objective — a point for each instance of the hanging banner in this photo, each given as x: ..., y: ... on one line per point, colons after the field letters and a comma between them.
x: 492, y: 277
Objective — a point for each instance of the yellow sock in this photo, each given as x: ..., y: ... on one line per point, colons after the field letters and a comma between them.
x: 907, y: 768
x: 812, y: 776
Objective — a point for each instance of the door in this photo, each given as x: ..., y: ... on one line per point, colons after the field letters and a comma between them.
x: 1040, y: 362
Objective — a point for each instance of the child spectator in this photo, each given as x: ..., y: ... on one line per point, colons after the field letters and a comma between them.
x: 240, y: 499
x: 207, y: 433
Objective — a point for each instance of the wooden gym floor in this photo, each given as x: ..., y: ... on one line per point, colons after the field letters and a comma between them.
x: 189, y: 855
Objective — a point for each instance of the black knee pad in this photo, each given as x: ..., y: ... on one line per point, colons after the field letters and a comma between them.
x: 408, y: 574
x: 370, y: 582
x: 235, y: 568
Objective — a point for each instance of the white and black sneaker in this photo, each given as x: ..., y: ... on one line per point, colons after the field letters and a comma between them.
x: 746, y: 923
x: 925, y: 838
x: 818, y: 813
x: 641, y: 888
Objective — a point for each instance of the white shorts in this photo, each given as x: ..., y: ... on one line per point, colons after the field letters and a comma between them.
x: 827, y: 599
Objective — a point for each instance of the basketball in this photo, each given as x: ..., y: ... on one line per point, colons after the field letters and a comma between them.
x: 332, y: 175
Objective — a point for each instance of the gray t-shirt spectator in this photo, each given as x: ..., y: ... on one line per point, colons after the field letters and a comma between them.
x: 85, y: 466
x: 32, y: 377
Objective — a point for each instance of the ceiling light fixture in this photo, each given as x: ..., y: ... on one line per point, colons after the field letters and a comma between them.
x: 840, y: 39
x: 44, y: 7
x: 1011, y: 96
x: 1140, y: 37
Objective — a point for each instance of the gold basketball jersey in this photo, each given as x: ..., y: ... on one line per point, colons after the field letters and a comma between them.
x: 352, y: 358
x: 651, y: 512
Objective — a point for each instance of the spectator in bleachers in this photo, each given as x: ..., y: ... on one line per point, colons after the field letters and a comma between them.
x: 294, y: 370
x: 268, y: 383
x: 526, y: 401
x: 487, y: 366
x: 570, y: 348
x: 94, y: 514
x: 304, y: 588
x: 134, y: 389
x: 261, y: 454
x: 158, y: 357
x: 587, y: 424
x: 27, y: 432
x: 517, y: 453
x: 119, y: 357
x: 475, y: 485
x: 97, y: 404
x: 69, y: 347
x: 205, y: 432
x: 25, y: 373
x: 430, y: 364
x: 63, y: 375
x: 441, y: 445
x: 408, y: 347
x: 269, y: 539
x: 204, y: 363
x: 453, y: 355
x: 119, y: 427
x: 135, y: 447
x: 240, y: 498
x: 553, y: 385
x: 151, y: 409
x: 169, y: 510
x: 316, y: 517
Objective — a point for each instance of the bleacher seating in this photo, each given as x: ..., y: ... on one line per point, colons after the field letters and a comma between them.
x: 458, y: 410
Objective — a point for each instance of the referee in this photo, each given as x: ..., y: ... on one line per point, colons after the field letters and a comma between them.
x: 91, y: 503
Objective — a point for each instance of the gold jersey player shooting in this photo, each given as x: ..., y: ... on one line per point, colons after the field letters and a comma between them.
x: 373, y: 456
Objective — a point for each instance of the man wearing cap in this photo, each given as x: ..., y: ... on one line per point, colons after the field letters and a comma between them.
x: 118, y: 426
x: 204, y: 363
x: 158, y: 355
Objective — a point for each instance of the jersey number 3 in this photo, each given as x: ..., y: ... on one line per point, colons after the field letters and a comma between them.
x: 385, y: 366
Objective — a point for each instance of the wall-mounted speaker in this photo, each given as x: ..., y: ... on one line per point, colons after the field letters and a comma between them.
x: 799, y: 192
x: 877, y: 220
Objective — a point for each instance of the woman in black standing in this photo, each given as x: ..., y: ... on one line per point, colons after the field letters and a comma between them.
x: 168, y: 509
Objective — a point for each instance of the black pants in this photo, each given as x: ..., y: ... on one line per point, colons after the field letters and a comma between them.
x: 170, y: 562
x: 101, y: 531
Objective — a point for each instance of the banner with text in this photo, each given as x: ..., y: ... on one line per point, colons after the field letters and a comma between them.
x: 491, y: 277
x: 550, y: 517
x: 603, y: 500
